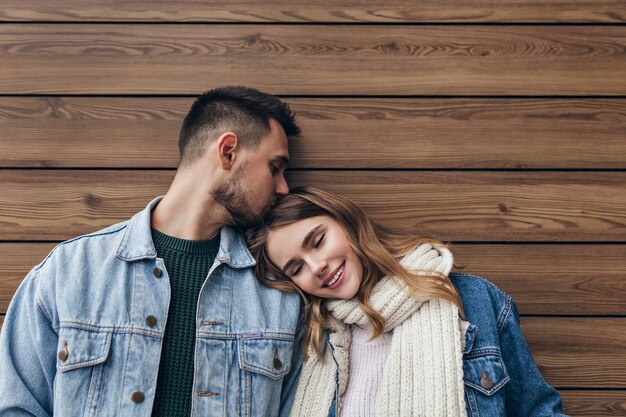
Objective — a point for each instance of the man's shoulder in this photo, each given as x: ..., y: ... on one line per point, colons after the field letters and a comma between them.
x: 96, y: 242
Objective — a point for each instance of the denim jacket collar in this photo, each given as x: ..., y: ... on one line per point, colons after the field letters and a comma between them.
x: 137, y: 242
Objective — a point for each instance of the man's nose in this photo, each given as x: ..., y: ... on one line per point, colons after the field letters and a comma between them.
x: 282, y: 188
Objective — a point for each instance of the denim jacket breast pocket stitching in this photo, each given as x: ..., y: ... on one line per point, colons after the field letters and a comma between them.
x: 79, y: 348
x: 269, y: 357
x: 485, y: 362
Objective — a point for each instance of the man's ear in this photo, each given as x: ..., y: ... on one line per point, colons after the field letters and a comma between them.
x: 227, y: 145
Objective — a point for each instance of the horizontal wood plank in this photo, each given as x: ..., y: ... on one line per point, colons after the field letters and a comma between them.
x: 337, y: 133
x: 311, y: 59
x: 456, y: 206
x: 552, y: 279
x: 578, y: 352
x: 542, y: 279
x: 319, y: 11
x: 16, y: 260
x: 594, y: 403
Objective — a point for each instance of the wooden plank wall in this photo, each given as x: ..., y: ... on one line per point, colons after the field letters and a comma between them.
x: 499, y: 126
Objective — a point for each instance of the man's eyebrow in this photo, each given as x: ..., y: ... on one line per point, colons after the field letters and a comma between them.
x: 283, y: 159
x: 305, y: 242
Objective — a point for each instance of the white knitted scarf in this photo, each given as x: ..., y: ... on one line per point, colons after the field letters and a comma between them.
x: 423, y: 374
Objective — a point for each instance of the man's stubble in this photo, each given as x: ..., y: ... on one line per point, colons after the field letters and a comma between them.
x: 233, y: 196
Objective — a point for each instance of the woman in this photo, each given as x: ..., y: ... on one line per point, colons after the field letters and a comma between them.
x: 389, y: 330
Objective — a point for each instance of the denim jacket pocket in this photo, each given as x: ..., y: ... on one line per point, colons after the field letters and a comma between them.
x: 484, y: 375
x: 263, y: 363
x: 269, y: 357
x: 484, y: 371
x: 81, y: 372
x: 80, y: 348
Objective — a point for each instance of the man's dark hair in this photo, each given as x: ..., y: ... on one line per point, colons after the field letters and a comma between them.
x: 242, y: 110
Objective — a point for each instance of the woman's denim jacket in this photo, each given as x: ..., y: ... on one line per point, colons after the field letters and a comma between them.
x: 76, y: 341
x: 495, y: 348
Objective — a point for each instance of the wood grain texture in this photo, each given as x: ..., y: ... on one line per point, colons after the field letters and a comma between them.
x: 553, y: 279
x: 315, y: 11
x: 578, y: 352
x: 542, y: 279
x: 594, y: 403
x: 457, y: 206
x: 58, y: 205
x: 333, y: 60
x: 16, y: 260
x: 131, y: 132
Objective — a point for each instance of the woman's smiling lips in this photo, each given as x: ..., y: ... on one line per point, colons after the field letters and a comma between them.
x: 331, y: 277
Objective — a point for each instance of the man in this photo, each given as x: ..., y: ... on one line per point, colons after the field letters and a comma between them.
x: 162, y: 315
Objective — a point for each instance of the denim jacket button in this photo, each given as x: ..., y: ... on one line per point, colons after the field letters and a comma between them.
x: 157, y: 272
x: 63, y: 353
x: 485, y: 381
x: 277, y: 362
x: 137, y: 397
x: 151, y: 321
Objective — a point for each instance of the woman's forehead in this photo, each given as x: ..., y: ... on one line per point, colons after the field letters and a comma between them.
x: 288, y: 238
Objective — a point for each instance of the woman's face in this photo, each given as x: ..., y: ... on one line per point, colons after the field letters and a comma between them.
x: 315, y: 253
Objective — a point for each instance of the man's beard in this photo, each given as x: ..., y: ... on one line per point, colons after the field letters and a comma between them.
x: 232, y: 196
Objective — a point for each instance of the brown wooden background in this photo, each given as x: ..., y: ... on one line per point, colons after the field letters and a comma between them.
x: 499, y: 126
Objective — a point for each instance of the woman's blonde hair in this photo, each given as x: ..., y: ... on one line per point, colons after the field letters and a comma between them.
x: 379, y: 249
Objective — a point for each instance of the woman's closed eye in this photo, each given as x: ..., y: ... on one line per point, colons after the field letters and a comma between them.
x: 316, y: 243
x: 295, y: 271
x: 318, y: 240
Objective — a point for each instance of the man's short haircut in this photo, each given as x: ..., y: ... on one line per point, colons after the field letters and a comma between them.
x: 242, y: 110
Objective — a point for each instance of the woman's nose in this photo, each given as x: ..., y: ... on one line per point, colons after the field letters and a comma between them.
x: 319, y: 267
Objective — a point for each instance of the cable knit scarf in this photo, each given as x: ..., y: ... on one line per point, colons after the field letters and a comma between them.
x: 423, y: 374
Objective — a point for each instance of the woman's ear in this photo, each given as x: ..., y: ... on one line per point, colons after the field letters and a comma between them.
x: 226, y: 147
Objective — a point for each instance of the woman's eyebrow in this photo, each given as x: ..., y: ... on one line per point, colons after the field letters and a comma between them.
x: 309, y: 235
x: 305, y: 242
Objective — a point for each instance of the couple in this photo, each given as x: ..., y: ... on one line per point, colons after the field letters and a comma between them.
x: 315, y: 311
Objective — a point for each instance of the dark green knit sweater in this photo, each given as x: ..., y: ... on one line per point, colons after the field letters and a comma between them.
x: 187, y: 263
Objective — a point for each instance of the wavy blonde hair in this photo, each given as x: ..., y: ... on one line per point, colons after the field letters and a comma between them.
x: 379, y: 249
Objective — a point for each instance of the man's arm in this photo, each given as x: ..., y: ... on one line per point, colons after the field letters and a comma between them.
x: 27, y: 355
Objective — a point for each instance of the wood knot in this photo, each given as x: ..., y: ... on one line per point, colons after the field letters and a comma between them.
x: 253, y: 39
x: 91, y: 200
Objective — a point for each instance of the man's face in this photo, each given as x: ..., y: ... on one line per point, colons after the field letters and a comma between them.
x: 258, y: 180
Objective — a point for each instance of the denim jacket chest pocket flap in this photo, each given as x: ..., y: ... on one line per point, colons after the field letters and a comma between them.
x: 269, y: 357
x: 80, y: 348
x: 484, y: 370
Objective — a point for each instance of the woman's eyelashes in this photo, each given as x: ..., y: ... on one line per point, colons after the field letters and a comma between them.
x: 295, y: 271
x: 318, y: 240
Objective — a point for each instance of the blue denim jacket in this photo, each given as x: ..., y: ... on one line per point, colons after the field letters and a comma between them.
x: 494, y: 344
x: 76, y: 341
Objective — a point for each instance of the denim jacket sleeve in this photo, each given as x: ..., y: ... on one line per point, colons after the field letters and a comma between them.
x: 27, y: 354
x: 527, y: 393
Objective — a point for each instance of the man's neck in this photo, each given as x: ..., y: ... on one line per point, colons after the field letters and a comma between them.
x: 188, y: 211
